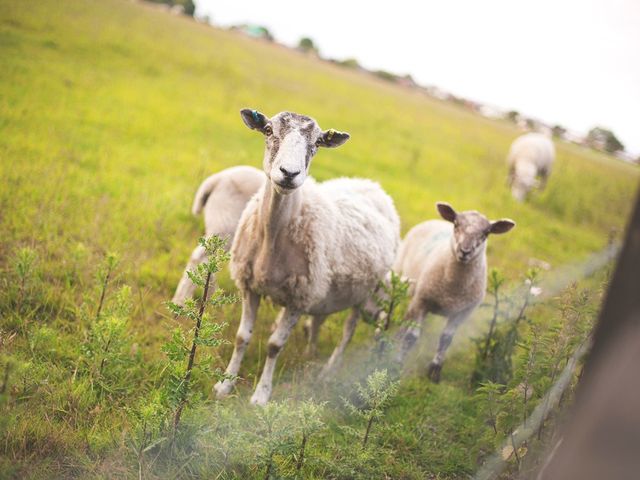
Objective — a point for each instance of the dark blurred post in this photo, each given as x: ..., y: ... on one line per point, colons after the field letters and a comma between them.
x: 602, y: 439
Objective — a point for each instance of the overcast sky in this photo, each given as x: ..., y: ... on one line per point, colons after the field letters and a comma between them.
x: 572, y: 62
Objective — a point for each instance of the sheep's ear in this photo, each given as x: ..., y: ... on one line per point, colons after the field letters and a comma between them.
x: 502, y: 226
x: 332, y: 138
x: 254, y: 119
x: 446, y: 211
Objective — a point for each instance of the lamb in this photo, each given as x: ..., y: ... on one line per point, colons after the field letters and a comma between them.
x: 313, y: 248
x: 531, y: 156
x: 446, y: 263
x: 222, y: 197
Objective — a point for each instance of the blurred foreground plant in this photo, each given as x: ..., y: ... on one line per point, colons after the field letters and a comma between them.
x: 494, y: 351
x: 389, y: 296
x: 183, y: 344
x: 374, y: 396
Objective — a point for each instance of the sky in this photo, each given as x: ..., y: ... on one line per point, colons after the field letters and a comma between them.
x: 570, y: 62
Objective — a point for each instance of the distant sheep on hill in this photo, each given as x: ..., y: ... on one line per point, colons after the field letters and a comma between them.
x: 530, y: 160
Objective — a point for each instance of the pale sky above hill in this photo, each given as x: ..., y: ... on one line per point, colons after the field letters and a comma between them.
x: 572, y: 62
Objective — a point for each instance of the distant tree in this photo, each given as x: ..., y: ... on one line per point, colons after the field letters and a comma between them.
x: 531, y: 123
x: 558, y: 131
x: 306, y: 45
x: 388, y: 76
x: 350, y: 63
x: 266, y: 33
x: 188, y: 7
x: 604, y: 139
x: 513, y: 116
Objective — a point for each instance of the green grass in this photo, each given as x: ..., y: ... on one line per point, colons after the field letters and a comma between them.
x: 112, y: 112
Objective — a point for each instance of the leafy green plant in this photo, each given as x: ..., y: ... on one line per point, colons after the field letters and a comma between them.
x: 274, y: 434
x: 389, y: 298
x: 308, y: 418
x: 103, y: 276
x: 18, y: 290
x: 544, y: 347
x: 489, y: 394
x: 183, y: 345
x: 24, y: 266
x: 374, y: 396
x: 106, y: 357
x: 495, y: 350
x: 149, y: 418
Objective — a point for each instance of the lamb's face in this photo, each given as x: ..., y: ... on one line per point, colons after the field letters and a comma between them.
x: 291, y: 141
x: 470, y: 231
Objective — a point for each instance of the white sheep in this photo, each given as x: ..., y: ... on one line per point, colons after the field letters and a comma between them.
x: 446, y: 263
x: 313, y: 248
x: 530, y: 157
x: 222, y: 197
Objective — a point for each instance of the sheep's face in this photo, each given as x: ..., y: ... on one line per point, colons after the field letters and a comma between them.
x: 470, y: 231
x: 291, y: 141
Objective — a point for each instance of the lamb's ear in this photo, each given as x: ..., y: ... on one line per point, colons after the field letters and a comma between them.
x: 446, y: 211
x: 502, y: 226
x: 332, y: 138
x: 254, y: 119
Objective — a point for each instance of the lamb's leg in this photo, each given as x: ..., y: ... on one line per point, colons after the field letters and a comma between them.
x: 347, y: 333
x: 278, y: 338
x: 250, y: 304
x: 446, y: 337
x: 186, y: 287
x: 410, y: 333
x: 313, y: 328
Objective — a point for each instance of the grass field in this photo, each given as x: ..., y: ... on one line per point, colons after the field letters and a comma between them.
x: 112, y: 112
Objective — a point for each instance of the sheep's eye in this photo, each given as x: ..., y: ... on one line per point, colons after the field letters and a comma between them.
x: 268, y: 130
x: 319, y: 142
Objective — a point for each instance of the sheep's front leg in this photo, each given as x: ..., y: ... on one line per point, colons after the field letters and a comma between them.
x: 347, y: 333
x: 278, y: 338
x: 186, y: 287
x: 410, y: 333
x: 250, y: 304
x: 312, y: 328
x: 454, y: 321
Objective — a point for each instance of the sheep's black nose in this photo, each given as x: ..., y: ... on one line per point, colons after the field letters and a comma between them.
x: 289, y: 174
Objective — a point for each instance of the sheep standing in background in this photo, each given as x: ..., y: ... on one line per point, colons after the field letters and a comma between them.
x: 223, y: 197
x: 446, y: 262
x: 313, y: 248
x: 530, y: 157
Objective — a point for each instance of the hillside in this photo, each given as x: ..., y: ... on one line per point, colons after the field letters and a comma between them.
x: 112, y: 112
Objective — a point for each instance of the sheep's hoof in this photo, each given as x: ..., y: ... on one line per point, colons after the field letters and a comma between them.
x: 178, y: 300
x: 434, y: 372
x: 260, y: 397
x: 223, y: 389
x: 327, y: 372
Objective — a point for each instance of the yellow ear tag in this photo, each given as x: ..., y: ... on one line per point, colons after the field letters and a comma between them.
x: 330, y: 133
